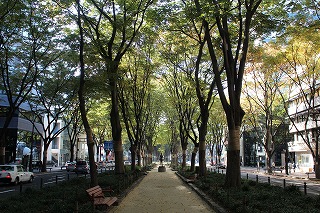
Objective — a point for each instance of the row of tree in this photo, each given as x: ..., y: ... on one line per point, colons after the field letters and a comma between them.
x: 142, y: 64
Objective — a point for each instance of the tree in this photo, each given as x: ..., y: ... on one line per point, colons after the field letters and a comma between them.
x: 229, y: 17
x: 182, y: 97
x: 99, y: 119
x: 217, y: 134
x: 262, y: 83
x: 134, y: 96
x: 301, y: 64
x: 73, y: 117
x: 26, y: 43
x: 191, y: 59
x: 53, y: 94
x: 113, y: 28
x: 82, y: 103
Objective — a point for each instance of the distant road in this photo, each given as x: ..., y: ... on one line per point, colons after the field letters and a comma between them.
x: 43, y: 179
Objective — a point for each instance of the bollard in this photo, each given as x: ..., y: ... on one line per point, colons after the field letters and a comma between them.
x: 284, y: 183
x: 269, y: 180
x: 305, y: 188
x: 247, y: 176
x: 257, y: 178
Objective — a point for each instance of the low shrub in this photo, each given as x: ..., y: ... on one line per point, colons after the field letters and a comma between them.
x: 68, y: 196
x: 253, y: 196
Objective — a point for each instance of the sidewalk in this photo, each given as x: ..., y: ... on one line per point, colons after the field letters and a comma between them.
x: 162, y: 192
x: 293, y: 174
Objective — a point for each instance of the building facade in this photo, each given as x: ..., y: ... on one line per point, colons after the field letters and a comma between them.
x: 304, y: 111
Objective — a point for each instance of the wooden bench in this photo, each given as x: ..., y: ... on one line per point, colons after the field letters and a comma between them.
x: 191, y: 179
x: 310, y: 173
x: 97, y: 197
x: 274, y: 169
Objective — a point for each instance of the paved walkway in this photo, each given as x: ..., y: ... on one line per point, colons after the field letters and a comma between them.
x: 162, y: 192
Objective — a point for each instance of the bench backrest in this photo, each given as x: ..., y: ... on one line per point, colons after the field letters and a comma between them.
x: 95, y: 191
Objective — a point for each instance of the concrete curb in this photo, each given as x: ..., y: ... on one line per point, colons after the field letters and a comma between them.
x: 205, y: 197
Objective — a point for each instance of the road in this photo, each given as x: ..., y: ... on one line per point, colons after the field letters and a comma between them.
x: 42, y: 179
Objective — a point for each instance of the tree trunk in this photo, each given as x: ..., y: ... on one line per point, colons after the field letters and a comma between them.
x: 115, y: 118
x: 71, y: 153
x: 269, y: 162
x: 139, y: 157
x: 317, y: 169
x: 133, y: 150
x: 202, y: 158
x: 3, y: 146
x: 174, y: 161
x: 82, y: 105
x: 44, y: 159
x: 202, y: 142
x: 149, y: 162
x: 193, y: 157
x: 233, y: 176
x: 93, y: 167
x: 3, y: 155
x: 118, y: 152
x: 184, y: 158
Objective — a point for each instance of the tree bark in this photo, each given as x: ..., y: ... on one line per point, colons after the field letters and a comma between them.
x: 115, y: 118
x: 233, y: 177
x: 193, y: 157
x: 184, y: 158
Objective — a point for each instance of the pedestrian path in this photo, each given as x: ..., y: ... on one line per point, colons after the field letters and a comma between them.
x: 162, y: 192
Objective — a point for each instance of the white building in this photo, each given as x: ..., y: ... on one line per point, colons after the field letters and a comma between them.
x: 305, y: 114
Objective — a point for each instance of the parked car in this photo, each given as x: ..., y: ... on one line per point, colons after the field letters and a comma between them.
x: 71, y: 166
x: 220, y: 166
x: 110, y: 163
x: 14, y: 174
x: 101, y: 164
x: 36, y: 164
x: 82, y: 167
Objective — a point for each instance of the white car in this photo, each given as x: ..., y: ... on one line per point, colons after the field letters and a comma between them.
x: 110, y: 163
x: 14, y: 174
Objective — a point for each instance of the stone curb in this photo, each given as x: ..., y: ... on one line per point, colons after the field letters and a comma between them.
x: 205, y: 197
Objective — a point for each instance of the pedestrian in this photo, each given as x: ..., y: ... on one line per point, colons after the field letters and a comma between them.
x: 40, y: 166
x: 289, y: 167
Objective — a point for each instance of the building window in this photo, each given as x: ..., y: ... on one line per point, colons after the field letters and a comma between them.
x: 55, y: 143
x: 56, y: 128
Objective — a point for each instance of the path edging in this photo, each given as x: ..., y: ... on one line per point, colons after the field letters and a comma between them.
x: 205, y: 197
